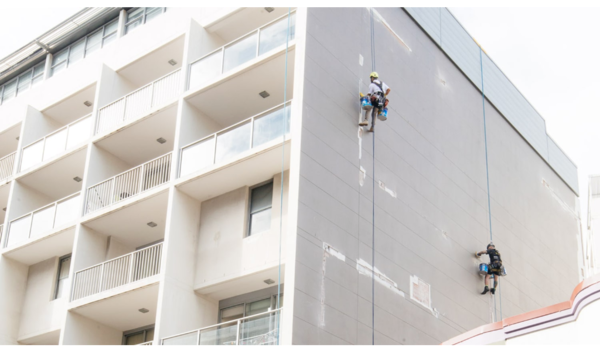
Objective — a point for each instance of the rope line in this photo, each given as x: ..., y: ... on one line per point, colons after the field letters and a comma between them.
x: 373, y: 217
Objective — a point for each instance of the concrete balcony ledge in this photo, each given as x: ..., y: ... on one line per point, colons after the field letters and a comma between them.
x: 57, y: 242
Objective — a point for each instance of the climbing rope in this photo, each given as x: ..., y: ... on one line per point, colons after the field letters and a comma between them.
x: 373, y: 217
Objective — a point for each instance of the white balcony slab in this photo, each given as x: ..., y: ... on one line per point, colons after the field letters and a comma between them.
x: 57, y: 242
x: 130, y: 223
x: 119, y: 307
x: 257, y: 165
x: 238, y: 285
x: 54, y: 178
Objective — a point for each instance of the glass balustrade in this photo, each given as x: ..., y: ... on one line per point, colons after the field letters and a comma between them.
x: 42, y: 221
x: 235, y: 140
x: 57, y: 142
x: 242, y: 50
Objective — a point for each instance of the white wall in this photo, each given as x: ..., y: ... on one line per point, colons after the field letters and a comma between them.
x: 116, y: 248
x: 41, y: 313
x: 36, y: 126
x: 89, y: 249
x: 224, y: 251
x: 12, y: 291
x: 103, y: 165
x: 81, y: 330
x: 180, y: 309
x: 24, y: 200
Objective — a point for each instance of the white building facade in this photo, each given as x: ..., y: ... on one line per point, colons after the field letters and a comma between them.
x: 197, y: 176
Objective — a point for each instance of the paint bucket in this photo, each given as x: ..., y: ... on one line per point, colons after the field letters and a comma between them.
x: 366, y: 103
x: 483, y: 268
x: 502, y: 271
x: 382, y: 114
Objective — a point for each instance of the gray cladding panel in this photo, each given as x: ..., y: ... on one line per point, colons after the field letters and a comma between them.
x: 447, y: 32
x: 430, y: 154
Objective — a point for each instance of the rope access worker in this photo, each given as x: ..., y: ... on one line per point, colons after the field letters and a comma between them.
x: 495, y: 267
x: 377, y: 93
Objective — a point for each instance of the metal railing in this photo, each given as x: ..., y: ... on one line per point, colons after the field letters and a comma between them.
x: 256, y: 43
x: 43, y: 220
x: 127, y: 184
x: 139, y: 102
x: 119, y: 271
x: 258, y: 329
x: 149, y: 343
x: 56, y: 142
x: 7, y: 164
x: 236, y: 139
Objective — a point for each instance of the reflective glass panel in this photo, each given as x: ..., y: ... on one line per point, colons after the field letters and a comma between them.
x: 205, y: 69
x: 233, y: 142
x: 66, y: 211
x: 79, y: 132
x: 259, y: 331
x: 77, y: 51
x: 10, y: 90
x: 219, y: 335
x: 42, y: 221
x: 273, y: 36
x: 189, y: 339
x: 258, y: 307
x: 197, y: 156
x: 24, y: 81
x: 93, y: 42
x: 271, y: 126
x: 55, y: 144
x: 32, y: 155
x: 19, y: 230
x: 152, y: 12
x: 239, y: 52
x: 38, y: 74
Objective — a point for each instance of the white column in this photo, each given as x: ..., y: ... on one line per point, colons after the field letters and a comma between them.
x: 122, y: 21
x: 48, y: 66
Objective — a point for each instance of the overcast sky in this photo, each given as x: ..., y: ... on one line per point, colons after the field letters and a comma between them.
x: 552, y: 55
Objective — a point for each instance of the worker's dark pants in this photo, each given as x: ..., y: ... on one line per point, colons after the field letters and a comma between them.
x: 374, y: 112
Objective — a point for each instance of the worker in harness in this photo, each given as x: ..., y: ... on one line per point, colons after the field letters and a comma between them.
x: 495, y: 267
x: 377, y: 93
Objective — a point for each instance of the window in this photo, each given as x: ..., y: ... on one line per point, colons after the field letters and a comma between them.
x: 85, y: 46
x: 22, y: 82
x: 138, y: 336
x: 141, y: 15
x: 64, y: 265
x: 261, y: 199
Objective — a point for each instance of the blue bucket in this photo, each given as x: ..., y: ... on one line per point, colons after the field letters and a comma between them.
x: 366, y: 103
x: 382, y: 114
x: 483, y: 268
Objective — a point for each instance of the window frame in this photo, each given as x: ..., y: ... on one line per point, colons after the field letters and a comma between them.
x: 60, y: 262
x: 134, y: 332
x: 142, y: 17
x: 250, y: 213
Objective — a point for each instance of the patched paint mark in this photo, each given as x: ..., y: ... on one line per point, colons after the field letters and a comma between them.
x: 362, y: 174
x: 365, y: 268
x: 420, y: 292
x: 360, y: 133
x: 389, y: 191
x: 380, y: 19
x: 560, y: 200
x: 360, y: 59
x: 328, y: 250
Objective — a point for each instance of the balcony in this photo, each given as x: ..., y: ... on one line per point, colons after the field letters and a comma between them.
x: 251, y: 146
x: 56, y: 143
x: 248, y: 47
x: 117, y: 272
x: 129, y: 183
x: 6, y: 166
x: 139, y: 103
x: 259, y: 329
x: 42, y: 221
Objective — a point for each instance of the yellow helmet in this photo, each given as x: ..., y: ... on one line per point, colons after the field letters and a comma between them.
x: 374, y: 74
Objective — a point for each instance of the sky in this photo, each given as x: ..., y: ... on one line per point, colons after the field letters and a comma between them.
x: 550, y: 54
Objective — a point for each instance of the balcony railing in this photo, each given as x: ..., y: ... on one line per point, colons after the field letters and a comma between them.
x: 129, y: 183
x: 236, y: 139
x: 43, y: 220
x: 119, y: 271
x: 7, y: 164
x: 139, y: 102
x: 259, y: 329
x: 242, y: 50
x: 57, y: 142
x: 149, y: 343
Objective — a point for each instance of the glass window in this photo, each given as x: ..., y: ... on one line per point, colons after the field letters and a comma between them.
x: 77, y: 51
x: 64, y: 265
x: 10, y: 90
x: 24, y: 81
x: 261, y: 199
x: 258, y: 307
x: 38, y: 73
x: 110, y: 33
x: 271, y: 126
x: 94, y: 42
x: 134, y: 19
x: 232, y: 313
x: 152, y: 12
x: 59, y: 61
x: 138, y: 337
x: 240, y: 52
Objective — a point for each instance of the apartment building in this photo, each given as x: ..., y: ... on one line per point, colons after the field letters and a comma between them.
x: 198, y: 176
x: 592, y: 235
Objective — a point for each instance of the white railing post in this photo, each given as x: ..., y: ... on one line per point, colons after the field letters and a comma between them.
x: 131, y: 256
x: 237, y: 333
x: 152, y: 94
x: 215, y: 150
x: 198, y: 338
x: 251, y: 131
x: 222, y: 59
x: 54, y: 215
x: 257, y: 42
x: 141, y: 178
x: 100, y: 280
